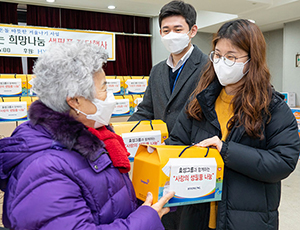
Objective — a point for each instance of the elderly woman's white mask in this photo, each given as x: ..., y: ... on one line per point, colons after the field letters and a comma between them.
x: 104, y: 110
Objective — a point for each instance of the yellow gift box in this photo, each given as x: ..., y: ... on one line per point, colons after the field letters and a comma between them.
x: 33, y: 99
x: 137, y: 99
x: 135, y: 84
x: 11, y: 99
x: 13, y: 109
x: 124, y: 106
x: 296, y: 112
x: 116, y: 84
x: 30, y: 90
x: 28, y: 100
x: 7, y: 76
x: 24, y: 83
x: 141, y: 126
x: 135, y: 133
x: 195, y: 174
x: 10, y: 86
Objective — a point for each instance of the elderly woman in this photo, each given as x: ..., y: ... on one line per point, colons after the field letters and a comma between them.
x: 65, y: 168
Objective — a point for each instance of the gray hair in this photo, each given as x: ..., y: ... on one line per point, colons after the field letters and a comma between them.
x: 67, y: 70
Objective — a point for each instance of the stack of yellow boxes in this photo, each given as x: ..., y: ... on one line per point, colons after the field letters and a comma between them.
x: 16, y: 96
x: 128, y: 91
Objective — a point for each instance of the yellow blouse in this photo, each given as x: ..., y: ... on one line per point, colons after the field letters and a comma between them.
x: 224, y: 110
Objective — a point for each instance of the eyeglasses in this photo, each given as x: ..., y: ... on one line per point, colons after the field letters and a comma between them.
x: 229, y: 59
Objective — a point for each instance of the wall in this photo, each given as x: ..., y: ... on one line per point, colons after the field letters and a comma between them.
x: 203, y: 41
x: 159, y: 52
x: 282, y: 47
x: 274, y: 40
x: 291, y: 46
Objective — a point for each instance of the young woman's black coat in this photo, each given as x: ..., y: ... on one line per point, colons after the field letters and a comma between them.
x: 254, y: 168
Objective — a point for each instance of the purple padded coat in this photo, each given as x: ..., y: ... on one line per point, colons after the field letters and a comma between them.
x: 57, y: 175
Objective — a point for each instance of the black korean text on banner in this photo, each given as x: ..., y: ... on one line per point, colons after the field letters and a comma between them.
x: 20, y: 41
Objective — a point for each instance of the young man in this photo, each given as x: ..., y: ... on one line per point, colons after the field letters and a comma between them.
x: 173, y: 80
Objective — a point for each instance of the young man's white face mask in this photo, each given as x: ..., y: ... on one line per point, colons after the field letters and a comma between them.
x: 175, y: 42
x: 104, y: 110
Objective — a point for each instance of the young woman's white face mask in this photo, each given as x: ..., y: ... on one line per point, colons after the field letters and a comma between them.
x: 229, y: 62
x: 229, y: 75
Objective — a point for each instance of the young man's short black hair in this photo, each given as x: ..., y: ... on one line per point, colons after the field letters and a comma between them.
x: 179, y: 8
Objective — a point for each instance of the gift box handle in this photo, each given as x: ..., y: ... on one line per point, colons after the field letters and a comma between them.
x: 189, y: 147
x: 140, y: 122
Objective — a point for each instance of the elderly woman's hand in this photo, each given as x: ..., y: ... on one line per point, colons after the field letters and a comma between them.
x: 214, y: 141
x: 159, y: 205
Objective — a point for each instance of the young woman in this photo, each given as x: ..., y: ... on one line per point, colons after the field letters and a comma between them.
x: 235, y: 109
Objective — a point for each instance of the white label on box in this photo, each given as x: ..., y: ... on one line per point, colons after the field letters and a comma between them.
x: 13, y: 110
x: 290, y: 98
x: 10, y: 86
x: 30, y: 90
x: 122, y: 106
x: 114, y: 85
x: 134, y: 140
x: 192, y: 177
x: 136, y: 85
x: 137, y: 101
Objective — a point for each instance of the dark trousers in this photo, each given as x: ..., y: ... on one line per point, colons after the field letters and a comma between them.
x: 188, y: 217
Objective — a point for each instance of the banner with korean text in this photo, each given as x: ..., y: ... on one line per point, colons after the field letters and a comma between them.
x: 29, y: 41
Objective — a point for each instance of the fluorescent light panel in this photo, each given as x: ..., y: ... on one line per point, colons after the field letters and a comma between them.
x: 111, y: 7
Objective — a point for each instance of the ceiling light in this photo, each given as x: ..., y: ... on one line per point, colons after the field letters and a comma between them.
x: 111, y: 7
x: 50, y: 0
x: 250, y: 20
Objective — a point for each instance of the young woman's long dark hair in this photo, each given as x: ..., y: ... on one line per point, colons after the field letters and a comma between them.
x: 252, y: 99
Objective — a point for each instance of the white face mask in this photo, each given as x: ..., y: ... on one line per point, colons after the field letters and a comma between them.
x: 228, y: 75
x: 175, y: 42
x: 104, y: 110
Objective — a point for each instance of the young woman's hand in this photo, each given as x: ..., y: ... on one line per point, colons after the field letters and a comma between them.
x: 159, y: 205
x: 214, y: 141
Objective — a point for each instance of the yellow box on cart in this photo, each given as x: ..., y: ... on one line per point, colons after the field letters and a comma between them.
x: 28, y: 101
x: 135, y: 85
x: 7, y: 76
x: 30, y: 91
x: 137, y: 99
x: 12, y: 109
x: 116, y: 84
x: 10, y: 87
x: 24, y: 83
x: 195, y: 174
x: 296, y: 112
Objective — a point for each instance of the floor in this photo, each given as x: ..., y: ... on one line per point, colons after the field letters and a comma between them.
x: 289, y: 210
